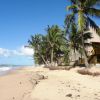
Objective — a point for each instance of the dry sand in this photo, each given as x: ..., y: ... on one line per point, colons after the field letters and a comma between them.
x: 67, y: 85
x: 18, y: 84
x: 59, y: 85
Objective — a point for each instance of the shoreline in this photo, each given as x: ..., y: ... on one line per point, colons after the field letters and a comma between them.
x: 28, y: 83
x: 13, y: 69
x: 18, y: 84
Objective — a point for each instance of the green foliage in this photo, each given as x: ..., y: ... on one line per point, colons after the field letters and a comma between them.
x: 83, y: 9
x: 50, y: 48
x: 78, y: 22
x: 54, y: 47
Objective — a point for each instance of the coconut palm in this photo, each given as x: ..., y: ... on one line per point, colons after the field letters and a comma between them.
x: 50, y: 47
x: 75, y: 37
x: 56, y: 41
x: 36, y: 42
x: 82, y: 10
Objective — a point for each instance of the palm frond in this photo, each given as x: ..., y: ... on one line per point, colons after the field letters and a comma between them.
x: 93, y: 12
x: 87, y: 35
x: 74, y: 1
x: 73, y: 7
x: 91, y: 3
x: 69, y: 20
x: 93, y: 25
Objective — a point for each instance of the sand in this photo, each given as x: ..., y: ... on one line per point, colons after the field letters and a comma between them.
x: 67, y: 85
x: 25, y: 84
x: 18, y: 84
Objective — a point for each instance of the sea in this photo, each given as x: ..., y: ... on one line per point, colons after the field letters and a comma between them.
x: 4, y: 69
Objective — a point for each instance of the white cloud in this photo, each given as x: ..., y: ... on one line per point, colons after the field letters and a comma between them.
x: 26, y: 51
x: 4, y: 52
x: 22, y: 51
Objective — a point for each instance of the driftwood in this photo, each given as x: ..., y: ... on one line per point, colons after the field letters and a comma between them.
x: 87, y: 72
x: 59, y: 67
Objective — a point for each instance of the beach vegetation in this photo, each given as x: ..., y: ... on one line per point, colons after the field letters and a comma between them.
x: 54, y: 47
x: 50, y: 49
x: 81, y: 13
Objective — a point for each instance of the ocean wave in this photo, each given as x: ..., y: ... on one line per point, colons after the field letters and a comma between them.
x: 2, y: 69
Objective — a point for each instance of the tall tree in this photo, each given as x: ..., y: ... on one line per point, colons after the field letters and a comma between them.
x: 48, y: 48
x: 36, y: 42
x: 82, y: 10
x: 56, y: 41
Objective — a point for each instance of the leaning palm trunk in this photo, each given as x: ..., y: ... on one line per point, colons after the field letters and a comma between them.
x: 44, y: 61
x: 84, y: 53
x: 75, y: 54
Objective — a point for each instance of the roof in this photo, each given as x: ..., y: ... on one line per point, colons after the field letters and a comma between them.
x: 95, y: 37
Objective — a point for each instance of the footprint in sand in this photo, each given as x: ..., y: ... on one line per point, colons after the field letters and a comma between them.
x: 13, y: 98
x: 69, y: 95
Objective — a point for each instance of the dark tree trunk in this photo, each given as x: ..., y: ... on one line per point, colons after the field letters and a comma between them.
x: 43, y: 59
x: 52, y: 56
x: 84, y: 52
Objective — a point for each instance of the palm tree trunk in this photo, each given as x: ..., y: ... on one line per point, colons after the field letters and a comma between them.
x: 84, y: 53
x: 43, y: 59
x: 51, y: 56
x: 75, y: 54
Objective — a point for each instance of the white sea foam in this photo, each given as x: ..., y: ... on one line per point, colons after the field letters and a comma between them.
x: 2, y: 69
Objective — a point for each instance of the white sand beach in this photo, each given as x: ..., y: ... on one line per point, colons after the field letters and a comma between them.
x: 18, y: 84
x: 24, y: 84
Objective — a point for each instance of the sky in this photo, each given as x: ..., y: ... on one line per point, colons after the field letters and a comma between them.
x: 19, y: 19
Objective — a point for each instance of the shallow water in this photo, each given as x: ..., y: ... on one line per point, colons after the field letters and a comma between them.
x: 6, y: 69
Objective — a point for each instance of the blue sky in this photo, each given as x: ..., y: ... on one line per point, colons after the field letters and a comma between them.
x: 21, y: 18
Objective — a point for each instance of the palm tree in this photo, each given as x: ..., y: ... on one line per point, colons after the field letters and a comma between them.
x: 50, y: 47
x: 75, y: 37
x: 82, y: 10
x: 56, y: 40
x: 36, y: 42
